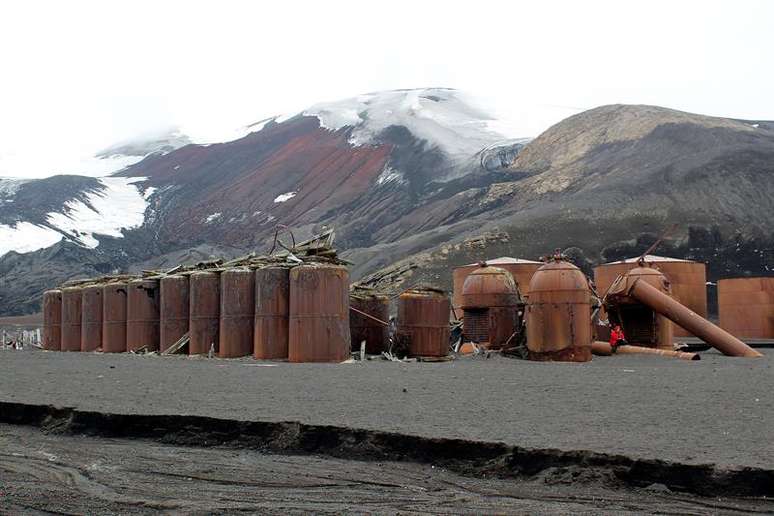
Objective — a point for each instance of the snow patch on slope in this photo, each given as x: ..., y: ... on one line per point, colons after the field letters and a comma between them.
x: 285, y: 197
x: 24, y: 237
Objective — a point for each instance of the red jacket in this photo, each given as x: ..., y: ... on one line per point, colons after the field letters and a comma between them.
x: 615, y: 336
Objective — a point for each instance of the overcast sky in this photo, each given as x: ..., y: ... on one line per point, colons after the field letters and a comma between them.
x: 78, y: 76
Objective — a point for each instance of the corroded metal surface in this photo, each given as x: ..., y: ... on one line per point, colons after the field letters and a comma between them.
x: 492, y: 307
x: 605, y: 349
x: 521, y: 270
x: 746, y: 307
x: 142, y: 315
x: 91, y: 318
x: 72, y: 302
x: 272, y: 306
x: 173, y: 310
x: 319, y: 314
x: 52, y: 320
x: 114, y: 317
x: 237, y: 312
x: 362, y: 328
x: 204, y: 311
x: 423, y: 320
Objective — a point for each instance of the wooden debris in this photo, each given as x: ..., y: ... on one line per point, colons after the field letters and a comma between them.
x: 177, y: 346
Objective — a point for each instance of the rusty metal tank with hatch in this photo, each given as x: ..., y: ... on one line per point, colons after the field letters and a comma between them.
x: 142, y: 315
x: 423, y: 321
x: 114, y: 317
x: 319, y: 314
x: 521, y: 270
x: 363, y: 328
x: 746, y: 307
x: 91, y: 318
x: 72, y: 302
x: 272, y: 308
x: 173, y: 310
x: 492, y: 307
x: 237, y: 312
x: 52, y: 320
x: 559, y: 314
x: 204, y: 312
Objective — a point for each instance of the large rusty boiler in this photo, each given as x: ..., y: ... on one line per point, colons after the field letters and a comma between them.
x: 72, y: 301
x: 368, y: 327
x: 423, y: 321
x: 492, y: 307
x: 319, y: 314
x: 91, y: 318
x: 237, y: 312
x: 142, y: 315
x: 641, y: 325
x: 559, y: 313
x: 173, y: 310
x: 521, y: 270
x: 114, y: 317
x: 272, y: 306
x: 52, y: 320
x: 204, y: 312
x: 746, y: 307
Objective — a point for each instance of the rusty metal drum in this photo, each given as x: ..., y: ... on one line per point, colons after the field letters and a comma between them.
x: 114, y: 317
x: 204, y: 312
x: 521, y: 270
x: 423, y: 321
x: 746, y: 307
x: 559, y: 314
x: 142, y: 315
x: 237, y: 312
x: 72, y: 302
x: 641, y: 325
x: 91, y: 318
x: 362, y: 328
x: 492, y: 305
x: 272, y: 307
x: 52, y: 320
x: 319, y: 314
x: 173, y: 310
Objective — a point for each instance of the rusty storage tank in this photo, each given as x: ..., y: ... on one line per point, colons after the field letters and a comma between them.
x: 492, y: 307
x: 559, y: 314
x: 272, y: 306
x: 142, y: 315
x: 423, y: 321
x: 237, y: 312
x: 173, y: 310
x: 688, y: 280
x: 204, y: 311
x: 72, y: 302
x: 641, y: 325
x: 319, y: 314
x: 91, y: 318
x: 52, y: 320
x: 521, y: 270
x: 362, y: 328
x: 114, y: 317
x: 746, y: 307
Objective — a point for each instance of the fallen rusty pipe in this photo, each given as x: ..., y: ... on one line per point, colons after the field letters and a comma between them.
x: 691, y: 321
x: 383, y: 323
x: 604, y: 349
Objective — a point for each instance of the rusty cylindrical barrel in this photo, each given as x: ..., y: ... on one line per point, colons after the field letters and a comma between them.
x: 52, y: 320
x: 91, y: 318
x: 272, y: 306
x: 491, y: 304
x: 114, y: 317
x: 559, y: 314
x: 605, y: 349
x: 72, y: 302
x: 204, y: 311
x: 237, y: 312
x: 142, y: 315
x: 319, y: 314
x: 173, y: 310
x: 368, y: 329
x: 423, y: 320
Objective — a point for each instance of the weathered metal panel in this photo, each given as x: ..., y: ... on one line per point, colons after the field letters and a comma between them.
x: 491, y: 304
x: 173, y: 310
x: 72, y: 302
x: 114, y: 297
x: 91, y: 318
x: 204, y: 312
x: 272, y: 306
x: 142, y: 315
x: 746, y: 307
x: 521, y: 270
x: 237, y: 312
x: 52, y: 320
x: 362, y: 328
x: 319, y: 314
x: 423, y: 320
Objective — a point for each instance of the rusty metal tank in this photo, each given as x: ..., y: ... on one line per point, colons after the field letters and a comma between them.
x: 142, y: 315
x: 114, y: 317
x: 521, y: 270
x: 204, y: 311
x: 272, y: 306
x: 492, y: 307
x: 364, y: 328
x: 319, y: 314
x: 423, y: 321
x: 52, y: 320
x: 746, y: 307
x: 559, y: 314
x: 237, y: 312
x: 688, y: 280
x: 173, y: 310
x: 72, y: 302
x: 91, y: 318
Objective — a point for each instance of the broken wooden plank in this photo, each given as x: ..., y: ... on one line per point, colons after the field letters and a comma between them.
x: 177, y: 346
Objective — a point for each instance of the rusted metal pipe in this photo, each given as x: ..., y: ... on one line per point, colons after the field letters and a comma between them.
x: 383, y: 323
x: 690, y: 320
x: 602, y: 348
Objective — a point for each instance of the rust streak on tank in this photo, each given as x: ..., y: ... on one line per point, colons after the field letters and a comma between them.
x: 114, y: 317
x: 52, y: 320
x: 423, y: 320
x: 91, y: 318
x: 204, y: 312
x: 72, y: 299
x: 272, y: 306
x: 173, y: 310
x: 237, y: 312
x: 142, y: 315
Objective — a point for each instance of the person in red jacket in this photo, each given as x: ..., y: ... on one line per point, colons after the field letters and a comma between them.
x: 617, y: 337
